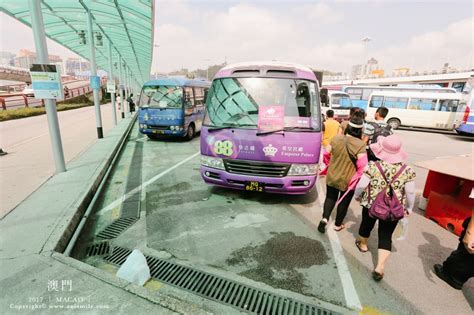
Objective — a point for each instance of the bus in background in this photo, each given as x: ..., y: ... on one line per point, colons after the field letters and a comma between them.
x: 360, y: 94
x: 417, y: 109
x: 172, y: 107
x: 262, y: 129
x: 465, y: 119
x: 338, y: 101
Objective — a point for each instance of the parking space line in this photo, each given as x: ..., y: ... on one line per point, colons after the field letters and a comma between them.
x: 118, y: 201
x: 350, y: 293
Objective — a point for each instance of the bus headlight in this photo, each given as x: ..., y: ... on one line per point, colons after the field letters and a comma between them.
x: 172, y: 127
x: 212, y: 162
x: 143, y: 126
x: 303, y: 169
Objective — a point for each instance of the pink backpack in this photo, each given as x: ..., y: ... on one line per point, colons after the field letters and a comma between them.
x: 386, y: 205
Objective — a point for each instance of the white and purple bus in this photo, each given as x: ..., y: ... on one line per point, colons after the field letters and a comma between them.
x: 262, y: 129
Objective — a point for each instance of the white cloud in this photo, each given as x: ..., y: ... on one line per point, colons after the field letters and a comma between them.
x: 431, y: 50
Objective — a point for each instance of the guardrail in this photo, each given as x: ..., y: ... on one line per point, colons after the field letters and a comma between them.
x: 18, y: 100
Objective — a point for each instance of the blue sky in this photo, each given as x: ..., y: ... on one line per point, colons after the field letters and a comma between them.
x: 322, y: 34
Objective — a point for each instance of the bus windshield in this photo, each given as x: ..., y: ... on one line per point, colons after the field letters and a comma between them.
x: 235, y: 102
x: 162, y: 97
x: 340, y: 101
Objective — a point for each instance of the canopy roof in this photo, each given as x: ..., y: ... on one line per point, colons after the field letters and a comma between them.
x: 127, y: 24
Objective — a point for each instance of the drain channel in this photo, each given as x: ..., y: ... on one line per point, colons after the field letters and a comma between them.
x: 115, y: 228
x: 216, y: 288
x: 98, y: 249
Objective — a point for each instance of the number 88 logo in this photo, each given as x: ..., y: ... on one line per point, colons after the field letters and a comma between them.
x: 224, y: 147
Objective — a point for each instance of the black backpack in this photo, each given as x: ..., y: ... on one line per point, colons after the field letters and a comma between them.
x: 380, y: 130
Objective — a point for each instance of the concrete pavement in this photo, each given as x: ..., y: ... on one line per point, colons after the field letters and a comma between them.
x: 29, y: 161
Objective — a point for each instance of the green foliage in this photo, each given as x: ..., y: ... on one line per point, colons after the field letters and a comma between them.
x: 35, y: 111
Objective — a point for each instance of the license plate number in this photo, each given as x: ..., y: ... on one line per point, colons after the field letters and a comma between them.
x: 254, y: 186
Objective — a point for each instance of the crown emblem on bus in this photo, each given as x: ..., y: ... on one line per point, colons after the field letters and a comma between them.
x: 270, y: 150
x: 271, y: 111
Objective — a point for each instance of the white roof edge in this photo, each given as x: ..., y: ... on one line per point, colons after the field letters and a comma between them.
x: 418, y: 94
x: 266, y: 63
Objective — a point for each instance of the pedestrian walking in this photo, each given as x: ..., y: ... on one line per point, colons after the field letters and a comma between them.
x: 131, y: 104
x: 330, y: 129
x: 377, y: 128
x: 66, y: 92
x: 348, y: 159
x: 386, y: 192
x: 118, y: 100
x: 459, y: 266
x: 345, y: 123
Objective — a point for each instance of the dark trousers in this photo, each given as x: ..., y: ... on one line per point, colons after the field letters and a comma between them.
x: 385, y: 231
x: 460, y: 264
x: 332, y: 196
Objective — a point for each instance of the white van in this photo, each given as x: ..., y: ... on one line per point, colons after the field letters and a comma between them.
x: 417, y: 109
x: 339, y: 102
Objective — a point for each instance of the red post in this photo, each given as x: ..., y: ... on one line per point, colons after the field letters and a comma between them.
x: 2, y: 100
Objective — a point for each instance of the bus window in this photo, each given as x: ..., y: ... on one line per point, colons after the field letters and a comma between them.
x: 366, y: 94
x: 422, y: 104
x: 303, y: 100
x: 164, y: 96
x: 458, y: 86
x: 448, y: 105
x: 188, y: 97
x: 355, y: 93
x: 376, y: 101
x: 199, y: 95
x: 396, y: 102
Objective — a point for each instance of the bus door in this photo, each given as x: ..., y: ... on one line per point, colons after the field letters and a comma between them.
x: 199, y: 96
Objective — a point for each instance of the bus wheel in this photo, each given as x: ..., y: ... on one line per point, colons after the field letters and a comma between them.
x: 394, y: 123
x: 190, y: 132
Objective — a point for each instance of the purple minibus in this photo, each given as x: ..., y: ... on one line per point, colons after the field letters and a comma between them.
x: 262, y: 128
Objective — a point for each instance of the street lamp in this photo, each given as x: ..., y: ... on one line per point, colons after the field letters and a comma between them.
x: 156, y: 74
x: 366, y: 41
x: 207, y: 70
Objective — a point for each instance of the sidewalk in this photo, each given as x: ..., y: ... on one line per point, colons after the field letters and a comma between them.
x: 29, y: 162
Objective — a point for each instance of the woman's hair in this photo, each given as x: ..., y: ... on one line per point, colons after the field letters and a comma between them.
x: 353, y: 129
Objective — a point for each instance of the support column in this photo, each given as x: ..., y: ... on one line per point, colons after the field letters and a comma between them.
x: 127, y: 110
x: 120, y: 87
x: 111, y: 78
x: 90, y: 39
x: 37, y: 25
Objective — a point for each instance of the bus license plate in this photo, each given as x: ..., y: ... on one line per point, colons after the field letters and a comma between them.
x: 254, y: 186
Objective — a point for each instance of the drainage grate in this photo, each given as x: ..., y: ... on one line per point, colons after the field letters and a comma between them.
x: 115, y: 228
x: 98, y: 249
x: 237, y: 295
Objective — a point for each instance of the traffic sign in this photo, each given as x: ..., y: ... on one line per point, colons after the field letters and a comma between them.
x: 46, y: 81
x: 95, y: 82
x: 110, y: 86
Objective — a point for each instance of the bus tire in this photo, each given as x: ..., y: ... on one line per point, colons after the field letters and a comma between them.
x: 394, y: 123
x: 190, y: 132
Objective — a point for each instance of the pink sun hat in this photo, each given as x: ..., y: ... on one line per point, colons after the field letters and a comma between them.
x: 389, y: 149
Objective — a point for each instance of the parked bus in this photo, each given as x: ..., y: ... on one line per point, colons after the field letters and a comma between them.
x: 172, y: 107
x: 338, y: 101
x: 465, y: 120
x: 360, y: 94
x: 417, y: 109
x: 262, y: 129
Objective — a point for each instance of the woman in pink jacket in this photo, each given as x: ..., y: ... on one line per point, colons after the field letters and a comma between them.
x: 348, y: 159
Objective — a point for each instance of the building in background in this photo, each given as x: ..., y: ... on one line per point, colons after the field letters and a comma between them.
x: 401, y: 72
x: 26, y: 58
x: 75, y: 66
x: 7, y: 58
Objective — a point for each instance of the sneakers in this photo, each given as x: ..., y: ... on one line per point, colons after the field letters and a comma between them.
x: 439, y: 271
x: 322, y: 225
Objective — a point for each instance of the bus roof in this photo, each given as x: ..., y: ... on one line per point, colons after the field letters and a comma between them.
x: 449, y: 96
x: 333, y: 92
x: 404, y: 87
x: 267, y: 69
x: 172, y: 81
